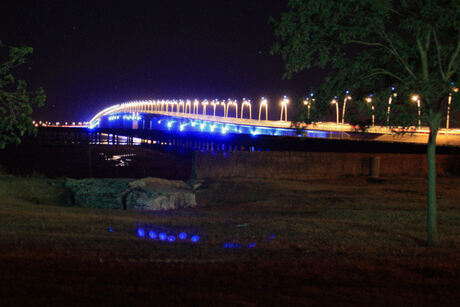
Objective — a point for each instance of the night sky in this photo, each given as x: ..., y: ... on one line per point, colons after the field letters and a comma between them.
x: 91, y: 54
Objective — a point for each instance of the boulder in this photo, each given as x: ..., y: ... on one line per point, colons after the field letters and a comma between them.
x: 97, y: 193
x: 143, y: 194
x: 159, y: 194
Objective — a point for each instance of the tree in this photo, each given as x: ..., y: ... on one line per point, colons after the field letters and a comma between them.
x: 370, y: 45
x: 16, y: 102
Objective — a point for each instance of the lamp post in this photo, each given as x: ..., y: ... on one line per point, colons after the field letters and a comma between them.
x: 369, y: 100
x: 225, y: 107
x: 347, y: 97
x: 307, y: 103
x: 263, y: 104
x: 334, y: 101
x: 390, y: 100
x: 233, y: 103
x: 449, y: 101
x: 284, y: 104
x: 204, y: 103
x: 416, y: 98
x: 214, y: 104
x: 246, y: 103
x: 196, y: 106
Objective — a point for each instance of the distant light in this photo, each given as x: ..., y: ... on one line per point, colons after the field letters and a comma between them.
x: 347, y: 92
x: 171, y: 238
x: 162, y: 236
x: 141, y: 232
x: 195, y: 238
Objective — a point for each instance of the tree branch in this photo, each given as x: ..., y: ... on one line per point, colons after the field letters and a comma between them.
x: 423, y: 59
x: 450, y: 70
x: 438, y: 52
x: 381, y: 71
x: 393, y: 51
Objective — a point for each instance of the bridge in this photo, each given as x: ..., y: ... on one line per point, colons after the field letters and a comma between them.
x: 230, y: 117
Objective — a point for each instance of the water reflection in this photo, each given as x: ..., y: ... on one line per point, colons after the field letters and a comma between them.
x: 114, y: 139
x: 120, y: 160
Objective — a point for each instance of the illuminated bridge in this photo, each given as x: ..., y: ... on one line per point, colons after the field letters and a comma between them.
x: 220, y: 120
x: 215, y: 117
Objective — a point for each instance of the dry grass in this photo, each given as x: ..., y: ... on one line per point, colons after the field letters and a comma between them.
x: 347, y: 242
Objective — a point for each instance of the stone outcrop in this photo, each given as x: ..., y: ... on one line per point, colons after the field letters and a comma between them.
x: 159, y: 194
x: 142, y: 194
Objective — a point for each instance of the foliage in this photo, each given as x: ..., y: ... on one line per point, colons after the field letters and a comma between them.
x: 16, y: 101
x: 368, y: 46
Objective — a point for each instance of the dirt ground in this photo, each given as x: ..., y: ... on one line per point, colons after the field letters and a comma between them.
x: 262, y: 242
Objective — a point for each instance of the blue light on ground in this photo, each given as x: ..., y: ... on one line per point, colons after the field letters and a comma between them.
x: 171, y: 238
x: 182, y: 236
x: 195, y: 238
x: 162, y: 236
x: 152, y: 234
x: 141, y: 232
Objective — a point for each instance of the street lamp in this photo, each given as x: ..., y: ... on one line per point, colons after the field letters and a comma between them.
x: 390, y: 100
x: 307, y: 103
x: 196, y: 106
x: 204, y: 103
x: 246, y: 103
x: 368, y: 99
x: 233, y: 103
x: 416, y: 98
x: 214, y: 104
x: 347, y: 97
x: 455, y: 90
x: 334, y: 101
x: 284, y: 104
x: 225, y: 107
x: 263, y: 104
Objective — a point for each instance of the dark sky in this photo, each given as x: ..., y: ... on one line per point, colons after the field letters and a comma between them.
x: 91, y: 54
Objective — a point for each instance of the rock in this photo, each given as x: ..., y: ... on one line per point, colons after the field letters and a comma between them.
x: 143, y: 194
x: 97, y: 193
x: 159, y: 194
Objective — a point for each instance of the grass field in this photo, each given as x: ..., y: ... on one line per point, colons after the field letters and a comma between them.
x: 326, y: 242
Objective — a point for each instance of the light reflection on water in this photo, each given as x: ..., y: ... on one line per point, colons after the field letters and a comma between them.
x: 113, y: 139
x: 120, y: 160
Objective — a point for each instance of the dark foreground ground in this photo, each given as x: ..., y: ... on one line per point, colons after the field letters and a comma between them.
x: 334, y: 242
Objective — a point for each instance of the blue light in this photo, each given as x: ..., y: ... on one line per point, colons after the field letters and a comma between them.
x: 202, y: 126
x: 170, y: 124
x: 181, y: 127
x: 212, y: 128
x: 182, y: 236
x: 141, y: 232
x: 162, y: 236
x: 224, y: 130
x: 152, y: 234
x: 254, y: 132
x: 193, y: 124
x: 159, y: 121
x: 347, y: 92
x: 371, y: 95
x: 110, y: 229
x: 393, y: 88
x: 312, y: 94
x: 195, y: 238
x: 171, y: 238
x: 252, y: 245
